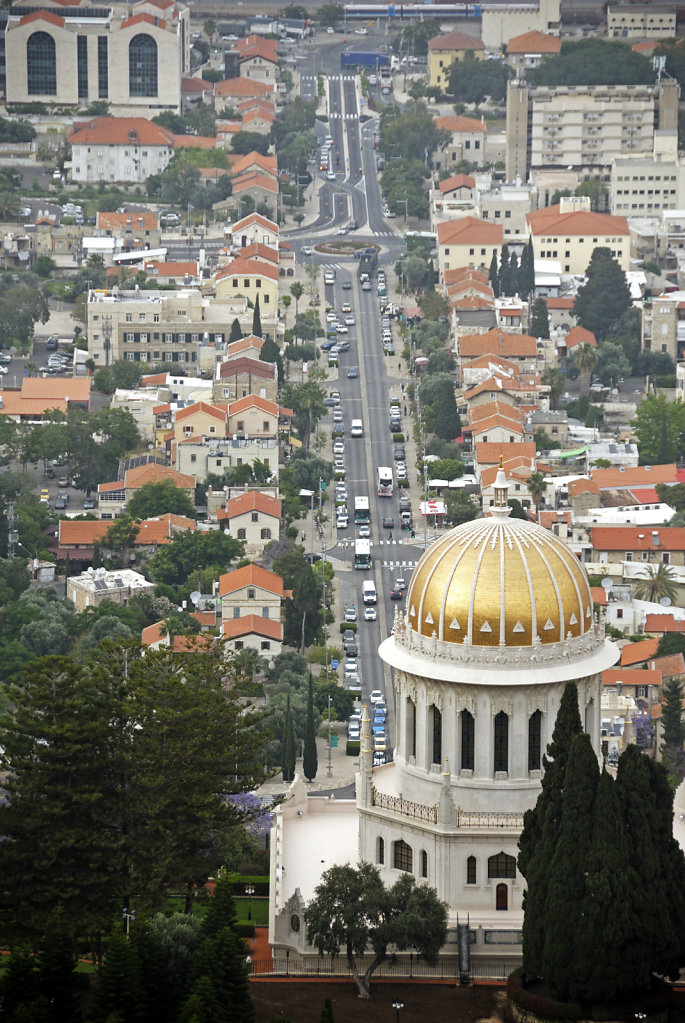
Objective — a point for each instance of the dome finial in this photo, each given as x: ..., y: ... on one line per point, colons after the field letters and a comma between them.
x: 500, y: 508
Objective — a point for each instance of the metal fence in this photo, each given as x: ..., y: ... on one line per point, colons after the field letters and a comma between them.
x: 405, y: 968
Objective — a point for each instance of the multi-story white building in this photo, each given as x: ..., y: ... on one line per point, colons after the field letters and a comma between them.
x: 644, y: 187
x: 127, y: 149
x: 585, y: 127
x: 132, y: 56
x: 166, y: 326
x: 641, y: 21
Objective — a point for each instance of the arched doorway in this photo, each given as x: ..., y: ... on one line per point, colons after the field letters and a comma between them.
x: 501, y: 897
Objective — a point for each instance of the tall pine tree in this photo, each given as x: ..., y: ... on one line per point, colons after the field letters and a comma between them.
x: 610, y: 921
x: 288, y: 752
x: 672, y: 713
x: 493, y: 275
x: 256, y: 320
x: 310, y: 760
x: 540, y: 829
x: 236, y: 331
x: 566, y: 897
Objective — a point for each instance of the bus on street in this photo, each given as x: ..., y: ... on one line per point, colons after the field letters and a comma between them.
x: 362, y: 554
x: 362, y: 512
x: 384, y: 481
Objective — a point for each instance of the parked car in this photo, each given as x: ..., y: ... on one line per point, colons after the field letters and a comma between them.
x: 350, y: 614
x: 89, y: 503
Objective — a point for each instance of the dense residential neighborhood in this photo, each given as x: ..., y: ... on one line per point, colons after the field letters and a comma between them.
x: 342, y: 437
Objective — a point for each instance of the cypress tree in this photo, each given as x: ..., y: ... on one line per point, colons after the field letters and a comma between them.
x: 566, y: 897
x: 672, y: 713
x: 310, y: 761
x: 514, y: 285
x: 117, y: 984
x: 647, y: 809
x: 493, y: 275
x: 539, y: 322
x: 236, y: 331
x: 540, y: 829
x: 503, y: 276
x: 528, y: 283
x: 610, y: 923
x: 288, y: 745
x: 256, y: 320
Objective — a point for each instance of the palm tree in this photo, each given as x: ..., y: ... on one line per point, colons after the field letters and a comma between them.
x: 536, y: 486
x: 297, y: 291
x: 287, y: 299
x: 585, y: 360
x: 659, y: 582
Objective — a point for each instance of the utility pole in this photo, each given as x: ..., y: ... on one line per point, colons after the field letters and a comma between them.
x: 330, y: 766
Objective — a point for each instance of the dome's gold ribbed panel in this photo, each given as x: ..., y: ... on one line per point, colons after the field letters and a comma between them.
x: 499, y: 582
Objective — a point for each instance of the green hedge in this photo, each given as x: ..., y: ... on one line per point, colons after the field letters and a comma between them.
x: 348, y: 625
x: 398, y: 438
x: 665, y: 381
x: 245, y: 928
x: 352, y: 747
x: 542, y: 1003
x: 260, y: 882
x: 402, y: 484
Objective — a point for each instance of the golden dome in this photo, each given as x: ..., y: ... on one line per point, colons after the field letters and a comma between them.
x: 500, y: 582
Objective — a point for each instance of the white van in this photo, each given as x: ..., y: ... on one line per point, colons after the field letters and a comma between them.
x: 369, y: 595
x: 357, y: 428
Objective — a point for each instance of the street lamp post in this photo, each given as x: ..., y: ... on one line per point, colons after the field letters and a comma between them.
x: 398, y: 1006
x: 128, y: 917
x: 249, y: 891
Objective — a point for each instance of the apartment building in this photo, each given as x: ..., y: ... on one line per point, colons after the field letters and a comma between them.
x: 445, y: 49
x: 133, y: 56
x: 585, y: 127
x: 466, y: 242
x: 528, y: 50
x: 641, y: 21
x: 663, y: 325
x: 570, y: 232
x: 467, y: 137
x: 166, y: 326
x: 645, y: 187
x: 503, y: 22
x: 127, y: 149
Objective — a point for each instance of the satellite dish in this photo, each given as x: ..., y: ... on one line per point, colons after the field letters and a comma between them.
x: 607, y: 582
x: 195, y: 597
x: 665, y: 601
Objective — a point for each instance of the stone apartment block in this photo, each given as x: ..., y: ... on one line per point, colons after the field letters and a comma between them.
x: 92, y: 587
x: 646, y: 187
x: 641, y: 21
x: 585, y: 127
x: 166, y: 326
x: 133, y: 56
x: 467, y: 137
x: 570, y: 232
x: 663, y: 325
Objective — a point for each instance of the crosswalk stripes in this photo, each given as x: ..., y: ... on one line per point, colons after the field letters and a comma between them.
x: 394, y: 565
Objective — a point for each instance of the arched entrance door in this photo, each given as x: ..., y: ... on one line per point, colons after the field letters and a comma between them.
x: 501, y: 897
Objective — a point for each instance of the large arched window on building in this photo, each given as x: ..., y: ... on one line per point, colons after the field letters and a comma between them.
x: 501, y: 749
x: 410, y: 734
x: 437, y: 736
x: 501, y: 865
x: 534, y: 740
x: 471, y: 875
x: 142, y: 66
x: 380, y: 853
x: 468, y: 732
x: 41, y: 65
x: 402, y: 856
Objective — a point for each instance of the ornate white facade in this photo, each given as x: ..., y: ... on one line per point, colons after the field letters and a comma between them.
x: 498, y: 619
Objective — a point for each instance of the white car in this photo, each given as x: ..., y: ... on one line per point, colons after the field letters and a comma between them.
x: 364, y: 532
x: 361, y: 31
x: 342, y: 522
x: 341, y: 230
x: 349, y: 320
x: 337, y: 415
x: 370, y: 614
x: 306, y: 250
x: 341, y: 328
x: 331, y: 177
x: 373, y: 80
x: 331, y: 316
x: 3, y: 370
x: 376, y: 696
x: 339, y: 448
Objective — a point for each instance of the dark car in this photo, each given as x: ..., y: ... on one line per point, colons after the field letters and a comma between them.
x: 398, y: 453
x: 396, y: 594
x: 395, y: 425
x: 347, y: 285
x: 327, y: 345
x: 405, y: 504
x: 60, y: 504
x: 388, y: 522
x: 89, y: 503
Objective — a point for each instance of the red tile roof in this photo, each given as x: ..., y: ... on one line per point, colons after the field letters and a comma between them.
x: 255, y: 367
x: 194, y: 142
x: 489, y: 452
x: 469, y: 230
x: 241, y: 87
x: 580, y: 336
x: 155, y: 473
x: 255, y: 218
x: 669, y: 666
x: 550, y: 221
x: 637, y: 653
x: 253, y: 401
x: 457, y: 181
x: 458, y: 123
x: 599, y: 595
x: 631, y: 676
x: 455, y: 41
x: 120, y: 131
x: 582, y: 486
x: 639, y: 476
x: 638, y: 538
x: 248, y: 268
x: 496, y: 342
x: 202, y: 407
x: 252, y: 179
x: 139, y: 221
x: 49, y: 16
x: 143, y: 18
x: 254, y: 500
x: 534, y: 42
x: 251, y: 575
x: 246, y: 624
x: 663, y: 623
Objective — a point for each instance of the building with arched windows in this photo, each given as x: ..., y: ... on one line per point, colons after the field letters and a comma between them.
x: 499, y: 617
x: 132, y: 56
